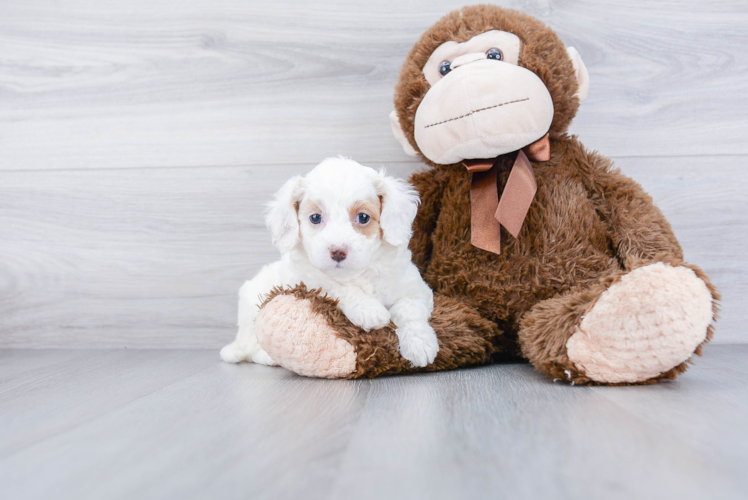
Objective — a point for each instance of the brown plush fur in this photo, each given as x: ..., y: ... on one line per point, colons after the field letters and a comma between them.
x: 587, y: 226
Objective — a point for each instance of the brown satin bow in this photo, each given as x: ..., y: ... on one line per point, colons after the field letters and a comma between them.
x: 488, y: 212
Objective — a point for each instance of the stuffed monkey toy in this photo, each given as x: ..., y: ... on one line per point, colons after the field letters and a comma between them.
x: 535, y: 248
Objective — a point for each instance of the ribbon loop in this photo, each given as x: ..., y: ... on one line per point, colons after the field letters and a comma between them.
x: 488, y: 212
x: 517, y: 196
x: 485, y: 229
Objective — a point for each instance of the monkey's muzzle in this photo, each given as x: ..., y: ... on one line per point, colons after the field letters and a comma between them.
x: 482, y: 110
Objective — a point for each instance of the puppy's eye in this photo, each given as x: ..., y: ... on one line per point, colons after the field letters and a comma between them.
x: 445, y: 67
x: 362, y: 218
x: 495, y: 54
x: 315, y: 218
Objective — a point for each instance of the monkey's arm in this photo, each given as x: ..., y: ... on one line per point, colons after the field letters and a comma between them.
x: 639, y: 232
x: 638, y: 325
x: 430, y: 189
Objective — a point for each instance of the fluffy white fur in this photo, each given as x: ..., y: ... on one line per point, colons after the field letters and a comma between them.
x: 376, y: 282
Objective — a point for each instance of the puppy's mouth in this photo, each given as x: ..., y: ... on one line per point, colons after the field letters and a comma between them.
x: 333, y: 265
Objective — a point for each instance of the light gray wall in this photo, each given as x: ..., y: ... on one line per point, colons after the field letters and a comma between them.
x: 139, y: 140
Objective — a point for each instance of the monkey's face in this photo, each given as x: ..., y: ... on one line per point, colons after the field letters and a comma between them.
x: 481, y: 103
x: 481, y: 96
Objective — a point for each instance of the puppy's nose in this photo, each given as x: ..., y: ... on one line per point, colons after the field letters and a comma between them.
x: 338, y: 254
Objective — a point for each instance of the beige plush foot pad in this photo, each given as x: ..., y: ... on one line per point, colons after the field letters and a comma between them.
x: 301, y: 340
x: 642, y: 326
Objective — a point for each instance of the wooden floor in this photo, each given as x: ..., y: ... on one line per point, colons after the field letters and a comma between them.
x: 126, y: 424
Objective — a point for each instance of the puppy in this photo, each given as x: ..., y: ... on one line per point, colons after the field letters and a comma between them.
x: 344, y: 228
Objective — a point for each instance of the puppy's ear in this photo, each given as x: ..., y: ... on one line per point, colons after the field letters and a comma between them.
x: 282, y: 214
x: 399, y: 207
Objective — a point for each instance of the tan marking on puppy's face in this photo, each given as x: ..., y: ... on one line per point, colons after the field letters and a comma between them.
x: 373, y: 209
x: 305, y: 210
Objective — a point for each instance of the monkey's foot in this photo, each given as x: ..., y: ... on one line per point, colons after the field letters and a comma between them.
x: 649, y: 322
x: 302, y: 340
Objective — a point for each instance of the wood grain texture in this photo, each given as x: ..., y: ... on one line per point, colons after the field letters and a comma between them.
x: 152, y: 428
x: 506, y: 433
x: 154, y: 257
x: 94, y: 381
x: 721, y: 420
x: 120, y: 84
x: 220, y: 431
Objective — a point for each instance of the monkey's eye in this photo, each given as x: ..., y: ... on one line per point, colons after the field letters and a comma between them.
x: 445, y: 67
x: 315, y: 218
x: 495, y: 53
x: 362, y: 218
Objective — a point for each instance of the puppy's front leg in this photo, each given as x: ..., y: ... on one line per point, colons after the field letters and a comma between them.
x: 418, y: 343
x: 361, y: 309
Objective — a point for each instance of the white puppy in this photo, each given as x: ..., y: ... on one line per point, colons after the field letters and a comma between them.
x: 344, y: 228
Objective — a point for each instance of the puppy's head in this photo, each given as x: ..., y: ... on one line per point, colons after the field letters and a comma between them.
x: 340, y: 213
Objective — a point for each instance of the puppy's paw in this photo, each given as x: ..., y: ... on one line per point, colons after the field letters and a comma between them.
x: 263, y: 358
x: 418, y: 344
x: 368, y: 316
x: 237, y: 352
x: 234, y: 353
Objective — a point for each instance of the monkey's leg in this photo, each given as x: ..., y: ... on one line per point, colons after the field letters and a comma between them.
x: 635, y: 327
x: 306, y: 333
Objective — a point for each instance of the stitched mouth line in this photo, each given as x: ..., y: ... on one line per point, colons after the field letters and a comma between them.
x: 477, y: 111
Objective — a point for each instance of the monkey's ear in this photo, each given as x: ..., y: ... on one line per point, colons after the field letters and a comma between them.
x: 583, y: 78
x: 400, y: 135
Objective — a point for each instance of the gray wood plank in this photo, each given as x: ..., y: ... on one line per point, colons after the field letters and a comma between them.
x: 52, y: 399
x: 504, y: 431
x: 149, y: 84
x: 17, y: 362
x: 225, y: 432
x: 154, y: 257
x: 717, y: 385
